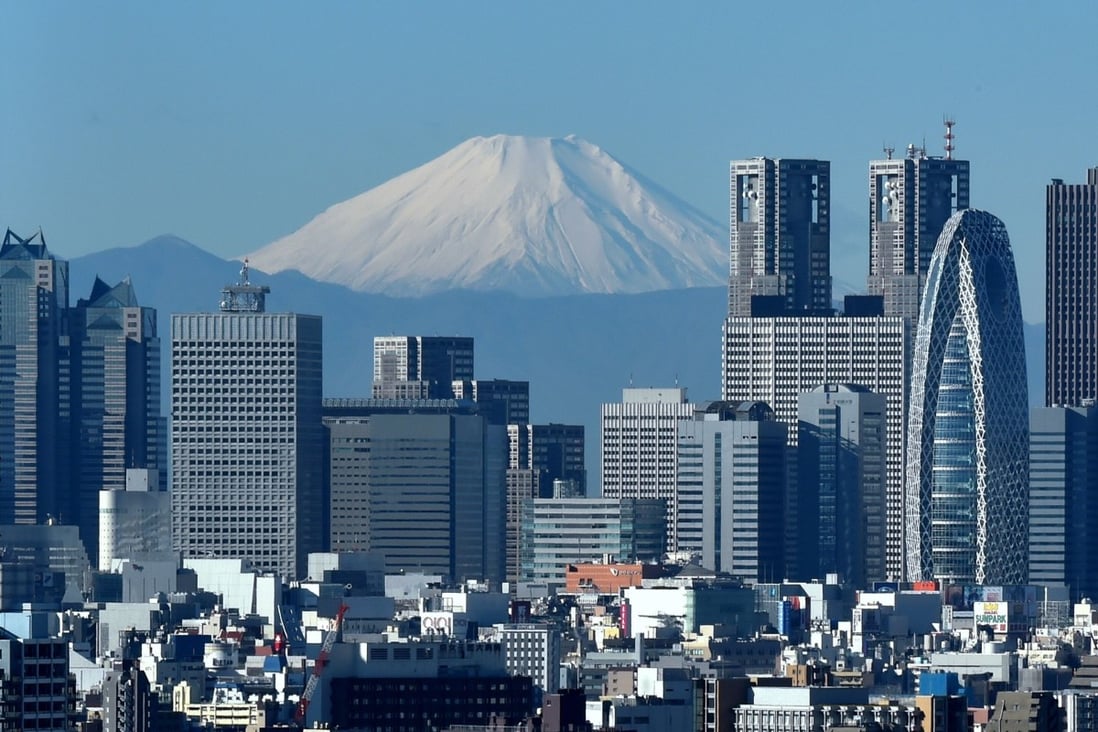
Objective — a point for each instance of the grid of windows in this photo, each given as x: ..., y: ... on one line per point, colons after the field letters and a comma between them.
x: 775, y: 360
x: 246, y: 437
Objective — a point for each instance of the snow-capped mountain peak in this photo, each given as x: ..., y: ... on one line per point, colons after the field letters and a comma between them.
x: 529, y: 215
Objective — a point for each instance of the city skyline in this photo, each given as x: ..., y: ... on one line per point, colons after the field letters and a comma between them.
x: 226, y: 113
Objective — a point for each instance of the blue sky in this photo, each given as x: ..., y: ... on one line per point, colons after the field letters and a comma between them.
x: 232, y: 124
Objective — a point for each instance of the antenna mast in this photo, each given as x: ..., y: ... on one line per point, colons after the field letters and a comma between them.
x: 949, y: 136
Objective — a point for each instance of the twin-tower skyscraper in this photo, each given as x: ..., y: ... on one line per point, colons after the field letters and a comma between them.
x: 940, y: 336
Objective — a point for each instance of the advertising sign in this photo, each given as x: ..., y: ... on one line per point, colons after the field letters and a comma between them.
x: 993, y: 614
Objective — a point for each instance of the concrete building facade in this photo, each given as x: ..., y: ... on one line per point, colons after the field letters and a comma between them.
x: 776, y: 359
x: 640, y: 447
x: 247, y: 439
x: 731, y: 484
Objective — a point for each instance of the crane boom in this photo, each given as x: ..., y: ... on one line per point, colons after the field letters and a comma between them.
x: 321, y: 662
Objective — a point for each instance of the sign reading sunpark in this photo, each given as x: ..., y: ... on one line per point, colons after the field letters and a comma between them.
x: 994, y: 614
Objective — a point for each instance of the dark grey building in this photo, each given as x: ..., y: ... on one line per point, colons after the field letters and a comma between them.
x: 501, y: 400
x: 1071, y: 292
x: 247, y: 436
x: 36, y: 691
x: 420, y: 367
x: 420, y: 482
x: 1063, y: 498
x: 780, y: 236
x: 116, y: 396
x: 841, y: 483
x: 35, y: 414
x: 910, y: 199
x: 554, y: 451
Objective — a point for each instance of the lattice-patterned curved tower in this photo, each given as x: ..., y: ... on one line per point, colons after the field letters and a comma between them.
x: 968, y: 433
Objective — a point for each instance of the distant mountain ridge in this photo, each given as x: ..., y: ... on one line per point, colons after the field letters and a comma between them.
x: 530, y: 216
x: 577, y: 351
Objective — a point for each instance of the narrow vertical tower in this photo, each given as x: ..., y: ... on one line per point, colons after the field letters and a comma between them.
x: 968, y: 424
x: 116, y: 393
x: 779, y: 236
x: 1071, y: 292
x: 34, y: 415
x: 910, y: 199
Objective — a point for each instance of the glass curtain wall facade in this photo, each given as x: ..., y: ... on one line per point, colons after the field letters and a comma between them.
x: 968, y: 439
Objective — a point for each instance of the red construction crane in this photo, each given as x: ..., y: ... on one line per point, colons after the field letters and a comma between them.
x: 318, y: 667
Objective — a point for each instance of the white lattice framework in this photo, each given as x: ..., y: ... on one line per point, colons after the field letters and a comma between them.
x: 972, y: 277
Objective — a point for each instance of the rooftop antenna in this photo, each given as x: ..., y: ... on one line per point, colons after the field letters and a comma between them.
x: 949, y: 136
x: 888, y: 150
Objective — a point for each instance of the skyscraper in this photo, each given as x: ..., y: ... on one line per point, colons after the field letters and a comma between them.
x: 841, y: 483
x: 1063, y: 498
x: 1071, y: 292
x: 910, y: 199
x: 968, y: 442
x: 35, y: 407
x: 774, y: 360
x: 420, y: 367
x: 501, y: 400
x: 731, y: 483
x: 115, y: 390
x: 420, y: 482
x: 640, y: 447
x: 780, y: 238
x: 247, y: 437
x: 554, y: 451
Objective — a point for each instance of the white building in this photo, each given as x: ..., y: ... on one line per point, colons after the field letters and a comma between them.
x: 247, y: 437
x: 639, y: 446
x: 134, y: 523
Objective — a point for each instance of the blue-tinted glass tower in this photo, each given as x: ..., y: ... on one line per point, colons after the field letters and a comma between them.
x: 967, y: 453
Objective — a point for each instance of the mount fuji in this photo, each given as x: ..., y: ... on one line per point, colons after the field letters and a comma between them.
x: 526, y: 215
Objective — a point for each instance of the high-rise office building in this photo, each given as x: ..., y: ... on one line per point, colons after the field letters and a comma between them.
x: 556, y: 532
x: 731, y: 482
x: 775, y: 360
x: 115, y: 387
x: 780, y: 238
x: 968, y: 442
x: 1063, y: 498
x: 501, y: 400
x: 247, y: 437
x: 544, y: 461
x: 421, y: 483
x: 1071, y: 292
x: 842, y: 476
x: 640, y: 447
x: 554, y: 451
x: 910, y: 199
x: 35, y: 407
x: 420, y: 367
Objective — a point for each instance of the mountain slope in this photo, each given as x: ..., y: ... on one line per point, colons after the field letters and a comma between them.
x: 531, y: 216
